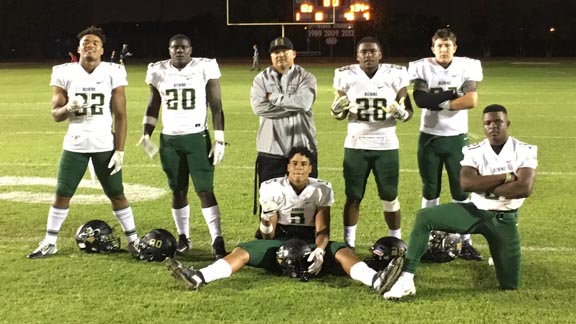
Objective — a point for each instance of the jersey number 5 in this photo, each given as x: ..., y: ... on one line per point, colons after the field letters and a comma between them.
x: 186, y: 98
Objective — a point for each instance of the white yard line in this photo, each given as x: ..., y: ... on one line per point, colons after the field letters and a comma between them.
x: 247, y: 167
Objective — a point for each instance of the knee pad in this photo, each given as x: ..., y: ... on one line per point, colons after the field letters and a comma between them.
x: 391, y: 206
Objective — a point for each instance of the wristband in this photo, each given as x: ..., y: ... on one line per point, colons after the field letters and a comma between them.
x: 266, y: 229
x: 508, y: 177
x: 219, y: 136
x: 445, y: 105
x: 149, y: 120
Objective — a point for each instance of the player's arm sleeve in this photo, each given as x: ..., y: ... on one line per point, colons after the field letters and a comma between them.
x: 529, y: 156
x: 299, y: 100
x: 59, y: 94
x: 260, y: 103
x: 430, y: 100
x: 339, y: 82
x: 214, y: 97
x: 59, y: 100
x: 119, y: 76
x: 326, y: 194
x: 270, y: 190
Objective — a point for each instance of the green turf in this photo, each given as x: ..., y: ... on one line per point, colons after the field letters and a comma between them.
x: 74, y: 288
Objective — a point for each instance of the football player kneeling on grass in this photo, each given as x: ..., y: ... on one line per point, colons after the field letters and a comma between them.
x: 280, y: 198
x: 499, y: 172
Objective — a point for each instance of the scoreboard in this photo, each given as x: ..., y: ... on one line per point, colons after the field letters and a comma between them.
x: 331, y: 10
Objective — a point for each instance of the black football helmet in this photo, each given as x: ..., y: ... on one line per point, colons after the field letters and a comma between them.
x: 442, y: 247
x: 384, y: 250
x: 157, y: 245
x: 97, y: 236
x: 293, y: 259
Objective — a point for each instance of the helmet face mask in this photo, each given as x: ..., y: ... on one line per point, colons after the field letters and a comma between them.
x: 292, y: 256
x: 157, y: 245
x: 442, y: 247
x: 97, y: 236
x: 384, y: 251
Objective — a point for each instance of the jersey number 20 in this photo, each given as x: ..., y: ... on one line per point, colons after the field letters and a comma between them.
x: 185, y: 98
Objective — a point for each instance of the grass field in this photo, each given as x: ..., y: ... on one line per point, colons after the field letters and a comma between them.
x: 74, y: 288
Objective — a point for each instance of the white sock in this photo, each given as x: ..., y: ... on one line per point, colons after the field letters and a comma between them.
x: 126, y: 220
x: 396, y: 233
x: 467, y: 238
x: 430, y: 203
x: 350, y: 235
x: 56, y: 218
x: 363, y: 273
x: 407, y: 275
x: 212, y: 218
x: 217, y: 270
x: 181, y: 218
x: 461, y: 201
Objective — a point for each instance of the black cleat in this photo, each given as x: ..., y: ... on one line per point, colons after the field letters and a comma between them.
x: 184, y: 244
x: 189, y: 278
x: 468, y: 252
x: 218, y: 249
x: 385, y: 278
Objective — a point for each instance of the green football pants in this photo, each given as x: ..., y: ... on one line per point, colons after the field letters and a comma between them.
x: 435, y: 152
x: 499, y: 228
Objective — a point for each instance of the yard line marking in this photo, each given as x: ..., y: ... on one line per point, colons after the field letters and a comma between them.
x: 136, y: 192
x: 539, y: 248
x: 251, y: 167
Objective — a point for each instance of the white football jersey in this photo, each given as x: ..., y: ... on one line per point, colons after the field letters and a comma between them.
x: 445, y: 122
x: 514, y: 155
x: 369, y: 127
x: 299, y: 209
x: 183, y: 92
x: 90, y: 129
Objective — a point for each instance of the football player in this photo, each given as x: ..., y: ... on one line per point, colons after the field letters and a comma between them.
x: 294, y: 206
x: 184, y: 87
x: 500, y: 172
x: 373, y: 96
x: 445, y: 87
x: 90, y: 95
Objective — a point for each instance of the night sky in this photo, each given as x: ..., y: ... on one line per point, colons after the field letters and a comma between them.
x: 153, y: 10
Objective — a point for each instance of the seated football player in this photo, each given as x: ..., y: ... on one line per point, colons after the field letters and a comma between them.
x: 293, y: 206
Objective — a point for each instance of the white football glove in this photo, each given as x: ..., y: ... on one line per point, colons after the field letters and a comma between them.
x: 76, y: 104
x: 116, y: 162
x: 217, y: 150
x: 148, y: 146
x: 340, y: 104
x: 317, y: 258
x: 397, y: 110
